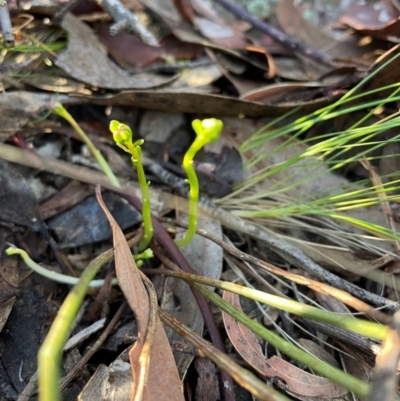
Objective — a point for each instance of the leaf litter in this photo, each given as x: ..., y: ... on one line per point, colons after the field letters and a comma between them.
x: 214, y: 63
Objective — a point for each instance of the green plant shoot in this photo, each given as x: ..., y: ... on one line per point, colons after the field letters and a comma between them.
x: 146, y: 254
x: 207, y: 131
x: 58, y: 108
x: 122, y: 136
x: 52, y: 275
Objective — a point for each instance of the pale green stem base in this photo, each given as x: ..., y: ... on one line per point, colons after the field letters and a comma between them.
x: 135, y: 151
x: 58, y: 277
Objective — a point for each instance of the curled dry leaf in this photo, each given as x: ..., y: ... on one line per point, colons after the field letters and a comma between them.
x: 384, y: 384
x: 110, y: 383
x: 293, y: 379
x: 162, y: 375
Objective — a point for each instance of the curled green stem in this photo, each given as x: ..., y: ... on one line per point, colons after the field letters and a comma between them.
x: 207, y: 131
x: 51, y: 275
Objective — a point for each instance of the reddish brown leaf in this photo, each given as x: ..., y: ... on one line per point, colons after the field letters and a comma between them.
x: 276, y: 93
x: 85, y: 59
x: 379, y: 19
x: 294, y: 379
x: 129, y: 50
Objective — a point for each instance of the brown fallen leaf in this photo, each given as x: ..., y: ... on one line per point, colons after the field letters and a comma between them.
x: 157, y: 371
x: 86, y: 60
x: 294, y: 379
x: 109, y: 383
x: 191, y: 102
x: 127, y: 49
x: 379, y: 19
x: 277, y: 93
x: 295, y: 25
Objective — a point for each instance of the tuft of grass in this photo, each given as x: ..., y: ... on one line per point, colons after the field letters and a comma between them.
x: 327, y: 153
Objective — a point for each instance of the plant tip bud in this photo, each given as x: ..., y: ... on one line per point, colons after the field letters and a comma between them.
x: 121, y: 132
x: 208, y: 130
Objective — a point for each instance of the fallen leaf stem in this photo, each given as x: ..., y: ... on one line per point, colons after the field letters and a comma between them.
x: 360, y: 326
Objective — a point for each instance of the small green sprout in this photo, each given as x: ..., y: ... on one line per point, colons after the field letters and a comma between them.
x: 146, y: 254
x: 122, y: 136
x: 59, y: 109
x: 207, y: 131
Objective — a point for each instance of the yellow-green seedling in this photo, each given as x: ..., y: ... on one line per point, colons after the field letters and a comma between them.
x: 146, y: 254
x: 59, y: 109
x: 122, y: 136
x: 207, y: 131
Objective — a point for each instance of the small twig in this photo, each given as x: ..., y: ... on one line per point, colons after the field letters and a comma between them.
x: 175, y: 67
x: 178, y: 346
x: 126, y: 19
x: 6, y: 26
x: 60, y: 14
x: 278, y: 35
x: 385, y: 381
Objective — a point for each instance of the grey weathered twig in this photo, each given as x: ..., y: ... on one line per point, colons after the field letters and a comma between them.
x: 126, y: 19
x: 60, y: 14
x: 6, y: 26
x: 288, y: 41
